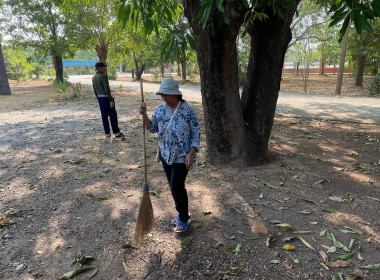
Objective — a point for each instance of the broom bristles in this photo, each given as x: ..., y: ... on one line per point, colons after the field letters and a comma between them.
x: 145, y: 218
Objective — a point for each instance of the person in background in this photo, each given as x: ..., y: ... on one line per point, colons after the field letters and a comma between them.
x: 106, y: 101
x: 177, y: 126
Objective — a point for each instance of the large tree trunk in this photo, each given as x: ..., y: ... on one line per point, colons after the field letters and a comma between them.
x: 269, y: 42
x: 238, y: 131
x: 102, y: 52
x: 360, y: 71
x: 4, y: 84
x: 184, y: 65
x: 58, y: 67
x: 342, y: 60
x: 217, y: 59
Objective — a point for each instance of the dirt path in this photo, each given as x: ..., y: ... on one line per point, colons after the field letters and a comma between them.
x: 56, y: 171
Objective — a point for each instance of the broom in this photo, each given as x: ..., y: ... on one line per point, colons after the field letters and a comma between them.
x: 145, y: 219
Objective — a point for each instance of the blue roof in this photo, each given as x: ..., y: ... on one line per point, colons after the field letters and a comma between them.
x: 79, y: 62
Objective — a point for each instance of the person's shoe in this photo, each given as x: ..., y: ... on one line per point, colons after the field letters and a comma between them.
x: 120, y: 136
x: 182, y: 227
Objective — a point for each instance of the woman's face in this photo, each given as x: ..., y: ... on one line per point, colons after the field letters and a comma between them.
x: 170, y: 100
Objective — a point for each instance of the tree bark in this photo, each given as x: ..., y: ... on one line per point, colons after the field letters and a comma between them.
x: 162, y: 71
x: 322, y: 67
x: 217, y: 59
x: 133, y: 74
x: 360, y: 71
x: 339, y: 81
x: 178, y: 70
x: 58, y: 67
x: 4, y: 84
x: 298, y: 68
x: 184, y: 66
x: 269, y: 42
x: 102, y: 52
x: 237, y: 131
x: 139, y: 70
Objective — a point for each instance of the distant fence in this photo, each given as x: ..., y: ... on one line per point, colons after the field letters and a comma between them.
x: 314, y: 69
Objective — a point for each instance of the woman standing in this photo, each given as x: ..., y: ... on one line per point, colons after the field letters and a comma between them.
x: 177, y: 126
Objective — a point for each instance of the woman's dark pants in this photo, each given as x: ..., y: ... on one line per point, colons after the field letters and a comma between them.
x: 176, y: 175
x: 106, y: 111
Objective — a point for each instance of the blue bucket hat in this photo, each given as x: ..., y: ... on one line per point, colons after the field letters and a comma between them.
x: 100, y: 64
x: 169, y: 87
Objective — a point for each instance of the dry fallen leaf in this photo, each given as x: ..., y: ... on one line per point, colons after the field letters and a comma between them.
x: 285, y: 227
x: 289, y: 238
x: 339, y: 263
x: 324, y: 257
x: 302, y: 232
x: 289, y: 247
x: 288, y: 266
x: 304, y: 212
x: 259, y: 228
x: 269, y: 240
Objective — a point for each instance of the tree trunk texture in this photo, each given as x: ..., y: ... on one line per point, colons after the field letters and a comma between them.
x: 322, y: 68
x: 217, y: 59
x: 139, y: 70
x: 162, y: 71
x: 184, y: 66
x: 298, y: 68
x: 4, y: 84
x: 133, y: 74
x: 269, y: 42
x: 237, y: 130
x: 339, y: 81
x: 360, y: 71
x: 178, y: 70
x: 58, y: 67
x: 102, y: 52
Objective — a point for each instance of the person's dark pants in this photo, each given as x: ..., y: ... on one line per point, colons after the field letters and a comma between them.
x: 176, y: 175
x: 106, y: 111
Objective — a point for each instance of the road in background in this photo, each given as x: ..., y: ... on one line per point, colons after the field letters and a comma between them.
x: 318, y: 106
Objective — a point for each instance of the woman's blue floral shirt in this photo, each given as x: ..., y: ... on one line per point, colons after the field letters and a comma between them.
x: 182, y: 134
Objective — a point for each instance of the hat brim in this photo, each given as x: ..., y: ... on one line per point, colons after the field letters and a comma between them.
x: 169, y: 92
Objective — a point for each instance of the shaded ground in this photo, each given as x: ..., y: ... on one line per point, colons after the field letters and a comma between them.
x: 55, y: 165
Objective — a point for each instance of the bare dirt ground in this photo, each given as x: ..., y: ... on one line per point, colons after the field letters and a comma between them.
x: 64, y: 190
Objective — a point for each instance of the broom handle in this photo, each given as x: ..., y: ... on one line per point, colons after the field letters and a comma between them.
x: 144, y: 144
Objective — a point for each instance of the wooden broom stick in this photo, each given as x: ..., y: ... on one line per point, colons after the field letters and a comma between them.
x: 145, y: 218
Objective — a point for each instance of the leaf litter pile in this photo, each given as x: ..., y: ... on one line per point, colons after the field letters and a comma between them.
x: 67, y: 194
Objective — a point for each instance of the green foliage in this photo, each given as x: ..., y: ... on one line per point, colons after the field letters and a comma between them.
x: 17, y: 65
x: 374, y: 85
x: 357, y: 12
x: 368, y: 45
x: 61, y: 88
x: 37, y: 70
x: 41, y: 25
x: 155, y: 76
x: 112, y: 73
x: 99, y: 28
x: 155, y: 15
